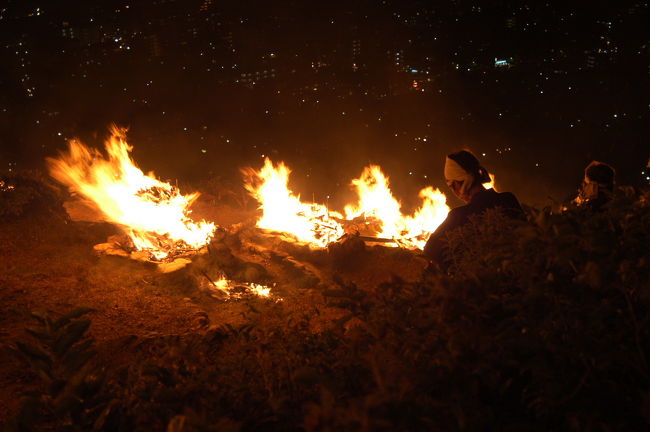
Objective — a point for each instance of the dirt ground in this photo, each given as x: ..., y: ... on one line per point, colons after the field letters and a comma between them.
x: 47, y: 262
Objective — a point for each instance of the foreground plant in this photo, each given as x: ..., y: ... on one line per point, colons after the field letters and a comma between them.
x: 70, y: 392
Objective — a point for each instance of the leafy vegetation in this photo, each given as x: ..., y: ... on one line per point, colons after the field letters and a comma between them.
x: 71, y: 388
x: 539, y: 325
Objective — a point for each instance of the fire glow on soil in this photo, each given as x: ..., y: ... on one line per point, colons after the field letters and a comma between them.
x: 154, y: 214
x: 318, y: 226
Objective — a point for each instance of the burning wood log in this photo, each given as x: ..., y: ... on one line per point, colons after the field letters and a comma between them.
x: 368, y: 239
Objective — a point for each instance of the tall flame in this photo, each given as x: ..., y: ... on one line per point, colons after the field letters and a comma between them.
x: 153, y: 213
x: 318, y: 226
x: 377, y: 201
x: 283, y: 211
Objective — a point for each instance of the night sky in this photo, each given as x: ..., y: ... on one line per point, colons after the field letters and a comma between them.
x: 536, y: 89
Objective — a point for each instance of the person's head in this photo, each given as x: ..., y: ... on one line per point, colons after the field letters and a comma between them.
x: 599, y: 179
x: 601, y: 173
x: 464, y: 174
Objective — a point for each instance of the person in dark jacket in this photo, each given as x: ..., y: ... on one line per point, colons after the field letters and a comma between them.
x: 465, y: 177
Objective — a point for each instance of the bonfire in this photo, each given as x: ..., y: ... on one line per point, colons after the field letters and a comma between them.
x: 284, y: 212
x: 376, y: 212
x: 154, y: 215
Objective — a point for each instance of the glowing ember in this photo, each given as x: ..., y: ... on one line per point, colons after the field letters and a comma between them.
x: 283, y: 211
x: 5, y: 187
x: 154, y: 214
x: 233, y: 290
x: 376, y: 201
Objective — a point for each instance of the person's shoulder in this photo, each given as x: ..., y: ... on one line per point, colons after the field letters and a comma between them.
x: 507, y: 197
x: 458, y: 215
x: 510, y: 204
x: 458, y: 211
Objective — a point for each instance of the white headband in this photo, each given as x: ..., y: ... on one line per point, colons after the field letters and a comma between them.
x: 453, y: 171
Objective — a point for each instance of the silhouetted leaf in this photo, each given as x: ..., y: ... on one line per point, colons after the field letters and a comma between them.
x: 73, y: 333
x: 76, y: 313
x: 41, y: 316
x: 34, y: 352
x: 41, y: 335
x: 77, y: 362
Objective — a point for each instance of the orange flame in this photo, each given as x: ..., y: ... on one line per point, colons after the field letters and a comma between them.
x: 377, y: 201
x: 318, y: 226
x: 284, y: 212
x: 153, y: 213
